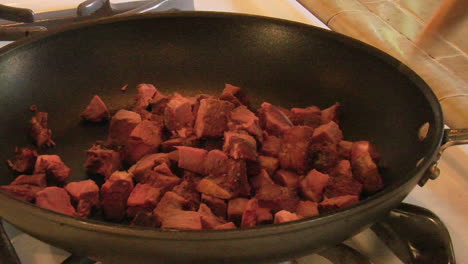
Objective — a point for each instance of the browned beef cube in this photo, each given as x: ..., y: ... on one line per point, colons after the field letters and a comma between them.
x: 216, y: 162
x: 40, y: 132
x: 269, y: 164
x: 344, y: 149
x: 240, y: 146
x: 210, y: 187
x: 159, y: 103
x: 192, y: 159
x: 24, y: 160
x: 342, y: 185
x: 284, y: 216
x: 307, y: 209
x: 102, y: 161
x: 208, y: 219
x: 365, y: 170
x: 343, y: 168
x: 264, y: 216
x: 218, y: 206
x: 171, y: 144
x: 287, y: 178
x: 96, y: 111
x: 182, y: 220
x: 277, y: 198
x: 234, y: 95
x: 262, y: 179
x: 53, y: 167
x: 85, y: 194
x: 337, y: 202
x: 362, y: 147
x: 323, y: 156
x: 249, y: 216
x: 178, y: 116
x: 241, y: 118
x: 55, y: 199
x: 35, y: 179
x: 121, y: 126
x: 24, y: 192
x: 294, y: 147
x: 329, y: 132
x: 144, y: 139
x: 159, y: 180
x: 312, y: 185
x: 271, y: 146
x: 146, y: 219
x: 145, y: 93
x: 188, y: 189
x: 147, y: 163
x: 310, y: 116
x: 236, y: 208
x: 196, y: 102
x: 331, y: 113
x: 273, y: 120
x: 229, y: 225
x: 114, y: 193
x: 143, y: 198
x: 212, y: 118
x: 169, y: 203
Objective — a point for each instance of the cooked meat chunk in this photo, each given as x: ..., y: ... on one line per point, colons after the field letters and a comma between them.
x: 121, y: 126
x: 277, y: 197
x: 262, y: 179
x: 192, y: 159
x: 183, y: 220
x: 102, y: 161
x: 217, y: 206
x: 365, y: 170
x: 229, y: 225
x: 323, y: 150
x: 146, y: 219
x: 145, y: 139
x: 159, y: 103
x: 307, y: 209
x: 40, y: 132
x: 96, y: 111
x: 240, y: 146
x: 273, y: 120
x: 208, y: 219
x: 24, y: 160
x: 294, y: 147
x: 171, y: 144
x: 284, y: 216
x: 287, y: 178
x: 115, y: 192
x: 344, y: 149
x: 212, y: 118
x: 330, y: 132
x: 160, y: 177
x: 178, y: 116
x: 234, y: 95
x: 264, y: 216
x: 312, y: 185
x: 269, y: 164
x: 24, y: 192
x: 310, y: 116
x: 271, y: 146
x: 216, y: 162
x: 147, y: 163
x: 241, y: 118
x: 343, y: 168
x: 362, y: 147
x: 53, y: 167
x: 145, y: 93
x: 188, y: 189
x: 55, y: 199
x: 85, y: 194
x: 210, y: 187
x: 249, y: 216
x: 337, y: 202
x: 236, y: 208
x: 143, y: 198
x: 331, y: 113
x: 35, y: 179
x: 342, y: 185
x: 168, y: 204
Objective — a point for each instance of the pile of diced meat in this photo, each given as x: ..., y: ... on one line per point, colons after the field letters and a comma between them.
x: 202, y: 162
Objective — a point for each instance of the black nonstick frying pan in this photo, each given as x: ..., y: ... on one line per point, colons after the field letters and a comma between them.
x: 282, y: 62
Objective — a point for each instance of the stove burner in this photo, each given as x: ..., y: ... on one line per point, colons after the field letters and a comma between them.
x: 31, y: 23
x: 414, y: 234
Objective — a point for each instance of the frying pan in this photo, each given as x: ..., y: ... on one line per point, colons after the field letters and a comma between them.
x: 282, y: 62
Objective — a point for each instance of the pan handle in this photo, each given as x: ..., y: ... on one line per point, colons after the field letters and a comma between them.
x: 452, y: 137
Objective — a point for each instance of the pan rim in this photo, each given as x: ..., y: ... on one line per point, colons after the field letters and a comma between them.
x: 192, y: 235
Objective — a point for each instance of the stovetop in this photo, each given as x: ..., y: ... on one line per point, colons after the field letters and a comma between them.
x: 409, y: 235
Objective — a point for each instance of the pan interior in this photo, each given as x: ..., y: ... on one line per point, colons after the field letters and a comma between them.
x: 283, y: 63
